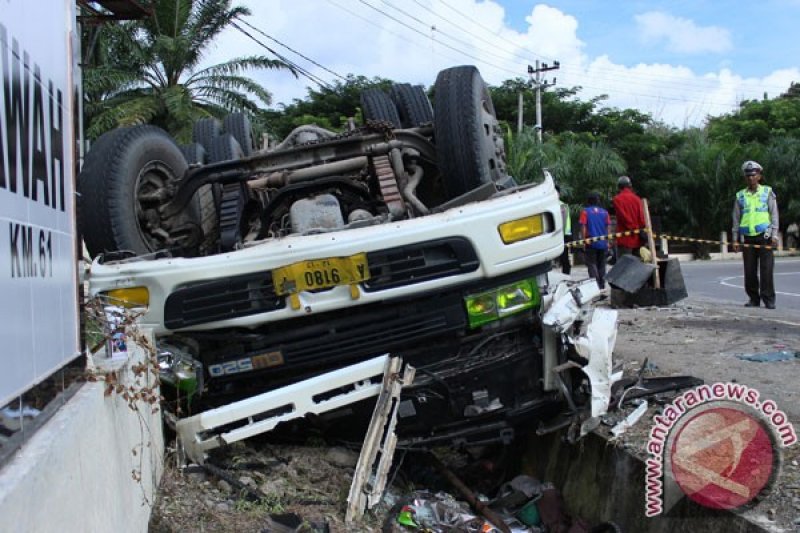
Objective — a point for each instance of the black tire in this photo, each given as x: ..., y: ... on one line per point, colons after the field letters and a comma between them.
x: 121, y: 168
x: 376, y: 105
x: 224, y: 148
x: 205, y: 131
x: 194, y: 153
x: 469, y: 143
x: 204, y: 204
x: 238, y: 125
x: 412, y: 104
x: 233, y: 196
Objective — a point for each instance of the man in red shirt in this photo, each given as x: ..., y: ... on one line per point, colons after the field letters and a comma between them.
x: 630, y: 217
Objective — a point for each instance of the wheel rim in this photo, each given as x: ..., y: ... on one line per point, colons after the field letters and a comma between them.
x: 492, y: 138
x: 150, y: 192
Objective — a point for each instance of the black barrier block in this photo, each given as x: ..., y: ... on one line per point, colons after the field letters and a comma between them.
x: 672, y: 288
x: 629, y: 273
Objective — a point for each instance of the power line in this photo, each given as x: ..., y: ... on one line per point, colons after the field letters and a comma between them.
x: 433, y: 28
x: 387, y: 30
x: 273, y: 39
x: 319, y: 81
x: 385, y: 14
x: 663, y: 79
x: 583, y: 85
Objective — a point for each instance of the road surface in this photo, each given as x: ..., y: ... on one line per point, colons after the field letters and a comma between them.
x: 724, y: 281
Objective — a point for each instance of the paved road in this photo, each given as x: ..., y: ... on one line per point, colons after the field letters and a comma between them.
x: 724, y: 281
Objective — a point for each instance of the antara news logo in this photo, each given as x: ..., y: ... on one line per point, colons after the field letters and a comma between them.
x: 719, y: 444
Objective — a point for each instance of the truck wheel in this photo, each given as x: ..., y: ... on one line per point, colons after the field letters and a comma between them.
x: 121, y: 187
x: 204, y: 204
x: 376, y: 105
x: 238, y: 125
x: 233, y: 196
x: 469, y: 143
x: 412, y: 104
x: 205, y: 131
x: 224, y: 148
x: 194, y: 153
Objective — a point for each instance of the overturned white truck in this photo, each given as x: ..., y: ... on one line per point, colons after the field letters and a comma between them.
x: 261, y: 268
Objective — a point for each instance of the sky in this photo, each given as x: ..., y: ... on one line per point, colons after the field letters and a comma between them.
x: 678, y: 60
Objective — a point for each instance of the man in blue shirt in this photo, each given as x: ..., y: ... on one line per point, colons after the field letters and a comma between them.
x: 594, y: 221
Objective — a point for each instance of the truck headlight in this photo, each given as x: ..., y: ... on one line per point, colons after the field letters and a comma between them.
x: 521, y: 229
x: 499, y: 303
x: 129, y: 297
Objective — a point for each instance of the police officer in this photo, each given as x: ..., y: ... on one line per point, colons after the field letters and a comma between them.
x: 755, y: 222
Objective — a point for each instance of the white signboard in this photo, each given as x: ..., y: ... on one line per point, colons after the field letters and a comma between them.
x: 38, y: 308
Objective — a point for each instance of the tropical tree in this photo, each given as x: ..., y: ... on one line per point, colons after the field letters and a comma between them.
x: 696, y: 199
x: 148, y: 71
x: 328, y: 107
x: 577, y: 166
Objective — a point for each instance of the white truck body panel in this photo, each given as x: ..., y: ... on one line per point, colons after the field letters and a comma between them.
x: 477, y: 222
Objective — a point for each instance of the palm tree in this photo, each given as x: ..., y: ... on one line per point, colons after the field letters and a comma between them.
x: 147, y: 71
x: 579, y: 167
x: 697, y: 197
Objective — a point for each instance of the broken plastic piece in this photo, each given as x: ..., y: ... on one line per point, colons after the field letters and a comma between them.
x: 629, y: 420
x: 263, y: 412
x: 770, y: 357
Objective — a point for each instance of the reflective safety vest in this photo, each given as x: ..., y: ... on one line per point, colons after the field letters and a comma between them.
x: 755, y: 212
x: 567, y: 219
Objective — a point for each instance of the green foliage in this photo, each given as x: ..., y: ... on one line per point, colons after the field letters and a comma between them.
x: 758, y: 121
x: 326, y: 107
x: 269, y: 504
x: 578, y: 167
x: 146, y: 71
x: 697, y: 197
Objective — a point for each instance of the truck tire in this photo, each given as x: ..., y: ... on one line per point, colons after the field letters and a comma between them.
x: 233, y: 196
x: 376, y: 105
x: 238, y: 125
x: 194, y: 153
x: 469, y: 143
x: 204, y: 204
x: 116, y: 187
x: 412, y: 105
x: 205, y: 131
x: 224, y: 148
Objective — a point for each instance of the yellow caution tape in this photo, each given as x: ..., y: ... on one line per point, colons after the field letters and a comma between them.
x: 610, y: 236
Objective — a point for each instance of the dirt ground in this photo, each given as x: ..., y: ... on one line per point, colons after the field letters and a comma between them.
x: 703, y: 338
x: 693, y: 337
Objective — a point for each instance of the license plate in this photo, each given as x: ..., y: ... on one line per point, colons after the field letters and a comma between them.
x: 320, y: 274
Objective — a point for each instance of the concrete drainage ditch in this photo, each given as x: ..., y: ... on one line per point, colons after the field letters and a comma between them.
x: 603, y: 482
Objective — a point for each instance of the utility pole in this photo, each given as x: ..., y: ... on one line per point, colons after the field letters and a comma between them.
x: 540, y: 84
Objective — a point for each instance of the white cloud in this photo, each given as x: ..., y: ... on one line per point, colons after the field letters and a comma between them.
x: 682, y: 35
x: 352, y: 38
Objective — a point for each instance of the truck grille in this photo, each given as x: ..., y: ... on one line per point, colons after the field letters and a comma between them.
x: 415, y: 263
x: 376, y: 332
x: 221, y: 299
x: 249, y: 294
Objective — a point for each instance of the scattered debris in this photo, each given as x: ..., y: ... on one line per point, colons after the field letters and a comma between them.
x: 12, y: 419
x: 631, y: 388
x: 629, y: 420
x: 770, y: 357
x: 263, y: 412
x: 380, y: 438
x: 632, y: 283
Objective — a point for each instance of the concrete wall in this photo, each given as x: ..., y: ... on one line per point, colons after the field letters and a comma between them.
x: 75, y: 473
x: 601, y: 482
